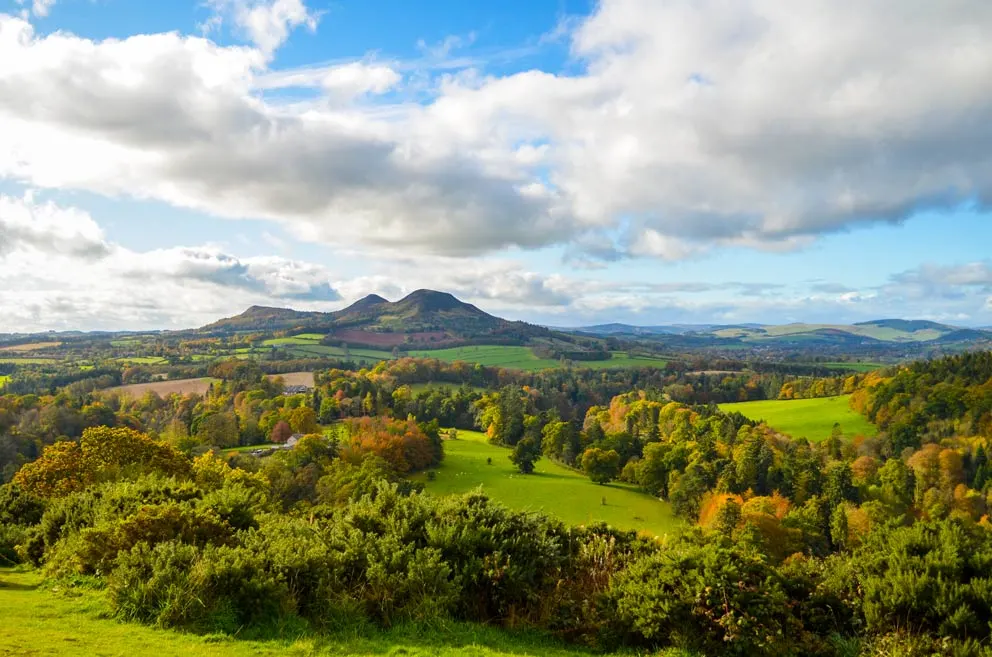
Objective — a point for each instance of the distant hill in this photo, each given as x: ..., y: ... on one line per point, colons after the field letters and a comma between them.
x: 262, y: 318
x: 884, y: 331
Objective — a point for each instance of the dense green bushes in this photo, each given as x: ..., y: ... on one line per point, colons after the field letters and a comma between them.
x: 220, y: 557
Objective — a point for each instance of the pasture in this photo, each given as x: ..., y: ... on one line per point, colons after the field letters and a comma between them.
x: 810, y: 418
x: 509, y: 357
x: 42, y: 619
x: 523, y: 358
x: 165, y: 388
x: 29, y: 361
x: 552, y: 489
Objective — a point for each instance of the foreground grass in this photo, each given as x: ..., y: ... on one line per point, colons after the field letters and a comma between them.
x: 39, y: 619
x: 552, y: 489
x: 810, y: 418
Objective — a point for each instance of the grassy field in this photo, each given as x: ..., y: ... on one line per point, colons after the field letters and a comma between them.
x: 40, y: 622
x: 143, y: 360
x: 810, y: 418
x: 523, y: 358
x: 552, y: 489
x: 164, y: 388
x: 518, y: 358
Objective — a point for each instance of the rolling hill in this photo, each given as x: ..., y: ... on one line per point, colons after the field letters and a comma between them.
x: 882, y: 330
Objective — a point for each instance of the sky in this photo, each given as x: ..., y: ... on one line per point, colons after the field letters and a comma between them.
x: 565, y: 162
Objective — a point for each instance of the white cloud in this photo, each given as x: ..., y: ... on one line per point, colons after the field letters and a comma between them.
x: 266, y: 23
x: 690, y: 125
x: 39, y: 8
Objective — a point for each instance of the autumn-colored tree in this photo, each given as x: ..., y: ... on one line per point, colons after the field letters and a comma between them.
x: 281, y: 432
x: 102, y: 454
x: 303, y: 419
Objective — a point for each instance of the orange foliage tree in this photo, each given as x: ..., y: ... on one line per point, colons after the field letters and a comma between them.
x: 401, y: 443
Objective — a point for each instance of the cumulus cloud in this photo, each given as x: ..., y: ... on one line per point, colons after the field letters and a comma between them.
x: 688, y: 126
x: 57, y: 270
x: 266, y: 23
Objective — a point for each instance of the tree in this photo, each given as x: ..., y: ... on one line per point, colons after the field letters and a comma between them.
x: 838, y: 527
x: 218, y: 429
x: 303, y: 420
x: 602, y: 466
x: 525, y: 453
x: 281, y: 432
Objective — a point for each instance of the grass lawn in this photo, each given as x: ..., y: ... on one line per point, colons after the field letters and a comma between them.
x: 552, y: 489
x: 810, y: 418
x: 38, y: 621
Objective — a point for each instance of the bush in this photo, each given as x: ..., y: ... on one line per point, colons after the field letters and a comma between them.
x: 708, y: 597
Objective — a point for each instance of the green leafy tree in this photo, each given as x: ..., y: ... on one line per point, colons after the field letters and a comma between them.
x: 525, y: 454
x: 602, y: 466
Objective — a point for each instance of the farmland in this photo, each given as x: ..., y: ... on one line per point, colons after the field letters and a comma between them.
x: 32, y: 346
x: 165, y: 388
x: 552, y: 489
x: 523, y: 358
x: 76, y: 622
x: 295, y: 378
x: 810, y: 418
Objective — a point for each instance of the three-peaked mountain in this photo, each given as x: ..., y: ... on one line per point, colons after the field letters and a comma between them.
x: 422, y: 318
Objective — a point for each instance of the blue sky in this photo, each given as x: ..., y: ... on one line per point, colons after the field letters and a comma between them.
x: 565, y: 162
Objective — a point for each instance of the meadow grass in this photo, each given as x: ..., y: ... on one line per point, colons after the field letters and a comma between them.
x: 810, y: 418
x: 552, y: 489
x: 44, y: 619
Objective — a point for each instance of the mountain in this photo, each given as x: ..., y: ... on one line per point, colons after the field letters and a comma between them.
x: 424, y: 318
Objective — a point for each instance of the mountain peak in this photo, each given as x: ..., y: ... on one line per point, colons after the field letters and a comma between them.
x: 434, y: 301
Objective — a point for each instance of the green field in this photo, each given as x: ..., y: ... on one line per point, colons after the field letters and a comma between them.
x: 552, y: 489
x: 523, y: 358
x: 519, y: 358
x: 810, y: 418
x: 45, y: 620
x: 143, y: 360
